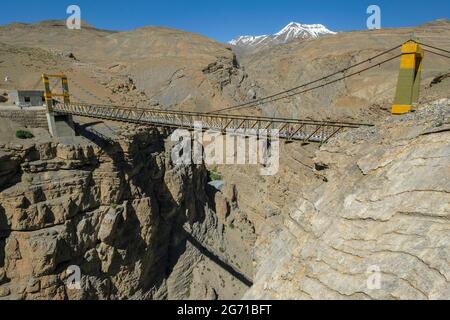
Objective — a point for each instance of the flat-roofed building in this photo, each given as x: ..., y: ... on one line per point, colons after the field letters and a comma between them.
x: 27, y: 98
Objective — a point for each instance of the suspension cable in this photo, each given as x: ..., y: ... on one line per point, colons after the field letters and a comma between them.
x: 37, y: 84
x: 292, y: 92
x: 436, y: 53
x: 336, y: 80
x: 276, y: 97
x: 261, y: 100
x: 432, y: 47
x: 87, y: 92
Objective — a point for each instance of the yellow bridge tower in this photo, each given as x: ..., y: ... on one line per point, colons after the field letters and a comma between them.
x: 408, y: 86
x: 59, y: 125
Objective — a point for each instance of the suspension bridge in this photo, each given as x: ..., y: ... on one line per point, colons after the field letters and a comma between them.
x: 412, y: 54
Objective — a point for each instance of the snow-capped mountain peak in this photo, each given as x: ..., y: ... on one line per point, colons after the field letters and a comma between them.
x: 289, y: 33
x: 248, y: 39
x: 295, y: 29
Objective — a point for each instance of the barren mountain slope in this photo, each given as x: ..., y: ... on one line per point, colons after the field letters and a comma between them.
x: 147, y: 66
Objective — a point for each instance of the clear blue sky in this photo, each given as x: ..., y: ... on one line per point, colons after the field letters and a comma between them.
x: 225, y: 19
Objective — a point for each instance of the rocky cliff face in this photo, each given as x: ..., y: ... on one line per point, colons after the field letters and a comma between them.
x: 376, y: 227
x: 118, y: 210
x: 373, y: 204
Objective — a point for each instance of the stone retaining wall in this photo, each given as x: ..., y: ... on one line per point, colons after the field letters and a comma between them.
x: 28, y: 118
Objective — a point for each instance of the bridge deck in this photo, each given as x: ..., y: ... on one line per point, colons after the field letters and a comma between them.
x: 288, y: 129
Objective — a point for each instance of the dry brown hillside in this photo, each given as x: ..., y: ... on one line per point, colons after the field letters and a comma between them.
x: 144, y: 67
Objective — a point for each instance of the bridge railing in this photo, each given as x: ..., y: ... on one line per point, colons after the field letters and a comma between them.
x: 287, y: 129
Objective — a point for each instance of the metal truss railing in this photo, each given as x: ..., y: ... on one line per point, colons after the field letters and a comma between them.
x: 286, y: 129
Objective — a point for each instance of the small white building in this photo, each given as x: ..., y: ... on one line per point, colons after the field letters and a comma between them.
x: 27, y: 98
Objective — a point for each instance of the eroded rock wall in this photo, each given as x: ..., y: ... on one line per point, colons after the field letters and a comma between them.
x: 383, y: 210
x: 112, y: 208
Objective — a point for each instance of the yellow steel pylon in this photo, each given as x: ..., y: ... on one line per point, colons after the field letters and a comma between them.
x: 408, y: 87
